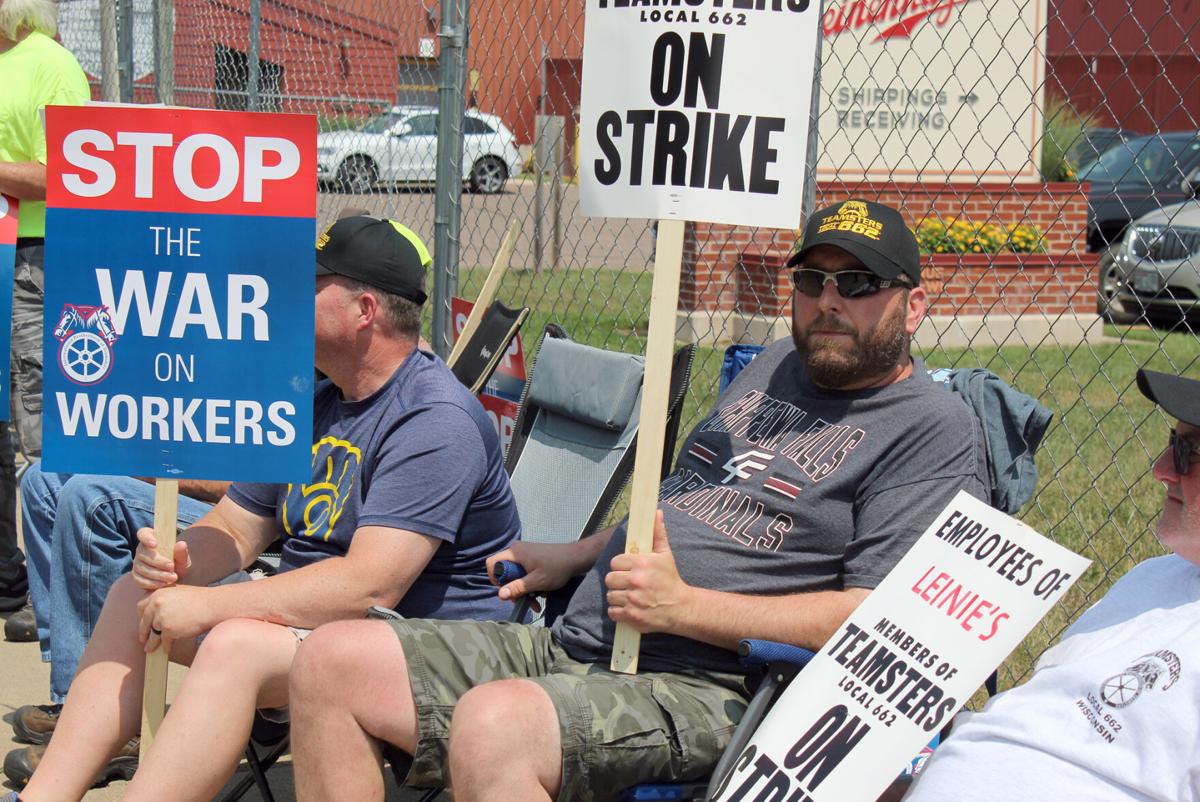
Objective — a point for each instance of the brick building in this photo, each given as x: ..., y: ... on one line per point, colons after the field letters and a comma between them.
x: 334, y: 57
x: 1133, y: 60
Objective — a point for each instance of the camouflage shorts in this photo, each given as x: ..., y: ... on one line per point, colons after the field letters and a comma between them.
x: 617, y: 730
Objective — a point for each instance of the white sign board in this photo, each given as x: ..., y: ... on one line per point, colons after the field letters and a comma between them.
x: 945, y: 91
x: 697, y: 111
x: 974, y: 584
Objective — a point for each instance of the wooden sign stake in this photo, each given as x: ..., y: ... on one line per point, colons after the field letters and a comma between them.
x: 488, y: 293
x: 656, y: 390
x: 154, y: 691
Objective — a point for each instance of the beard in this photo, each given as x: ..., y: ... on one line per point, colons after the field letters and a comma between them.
x: 837, y: 364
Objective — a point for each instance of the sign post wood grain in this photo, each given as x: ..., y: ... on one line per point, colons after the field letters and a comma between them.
x: 656, y: 389
x: 154, y: 690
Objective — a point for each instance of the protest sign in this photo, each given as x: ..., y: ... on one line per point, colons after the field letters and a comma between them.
x: 502, y: 393
x: 698, y: 111
x: 9, y: 209
x: 179, y: 293
x: 973, y: 585
x: 682, y: 118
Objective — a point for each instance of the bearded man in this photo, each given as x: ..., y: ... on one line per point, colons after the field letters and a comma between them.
x: 817, y: 469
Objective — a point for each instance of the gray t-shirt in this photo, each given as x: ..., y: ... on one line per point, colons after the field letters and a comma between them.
x: 787, y: 487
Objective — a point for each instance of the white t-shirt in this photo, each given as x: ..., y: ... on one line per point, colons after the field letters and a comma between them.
x: 1112, y: 711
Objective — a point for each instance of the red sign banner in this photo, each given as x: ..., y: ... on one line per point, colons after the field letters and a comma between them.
x: 184, y: 160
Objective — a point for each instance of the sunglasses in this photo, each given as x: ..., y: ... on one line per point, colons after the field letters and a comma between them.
x: 1184, y: 451
x: 850, y: 283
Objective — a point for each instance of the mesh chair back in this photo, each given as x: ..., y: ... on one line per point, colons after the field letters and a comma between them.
x: 574, y: 431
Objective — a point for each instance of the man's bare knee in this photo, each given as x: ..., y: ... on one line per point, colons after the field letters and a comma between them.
x: 316, y: 665
x: 488, y: 714
x: 124, y: 591
x: 335, y: 654
x: 239, y: 641
x: 482, y: 741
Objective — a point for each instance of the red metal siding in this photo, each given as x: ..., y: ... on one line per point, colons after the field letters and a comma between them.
x: 507, y: 42
x: 1089, y: 27
x: 346, y: 64
x: 1131, y: 63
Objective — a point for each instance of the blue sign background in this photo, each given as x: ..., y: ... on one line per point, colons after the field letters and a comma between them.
x: 8, y: 259
x: 280, y: 369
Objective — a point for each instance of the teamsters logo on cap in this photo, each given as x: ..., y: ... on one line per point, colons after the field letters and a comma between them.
x: 852, y: 216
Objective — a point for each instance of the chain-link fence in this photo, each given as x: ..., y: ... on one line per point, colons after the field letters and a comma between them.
x: 1046, y: 153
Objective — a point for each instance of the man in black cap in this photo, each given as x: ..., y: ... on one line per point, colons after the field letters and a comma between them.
x: 408, y: 496
x: 1110, y: 712
x: 819, y: 466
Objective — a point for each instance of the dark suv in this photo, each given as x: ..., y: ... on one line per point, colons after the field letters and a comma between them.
x: 1092, y: 143
x: 1141, y: 175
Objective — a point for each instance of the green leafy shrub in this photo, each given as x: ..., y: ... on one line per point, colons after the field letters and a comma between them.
x: 1062, y: 127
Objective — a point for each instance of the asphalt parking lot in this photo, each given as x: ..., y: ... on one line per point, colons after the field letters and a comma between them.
x: 586, y: 241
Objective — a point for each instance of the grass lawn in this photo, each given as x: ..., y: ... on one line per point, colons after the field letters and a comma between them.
x: 1095, y: 494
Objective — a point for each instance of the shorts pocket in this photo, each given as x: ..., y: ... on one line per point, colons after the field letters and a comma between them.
x: 689, y: 730
x: 32, y: 403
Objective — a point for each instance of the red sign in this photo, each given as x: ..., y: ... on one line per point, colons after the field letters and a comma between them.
x: 904, y: 17
x: 185, y: 160
x: 503, y: 414
x: 8, y: 220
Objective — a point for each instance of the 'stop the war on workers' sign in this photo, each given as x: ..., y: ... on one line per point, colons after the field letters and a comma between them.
x: 970, y: 589
x: 179, y: 293
x: 9, y: 209
x: 697, y: 110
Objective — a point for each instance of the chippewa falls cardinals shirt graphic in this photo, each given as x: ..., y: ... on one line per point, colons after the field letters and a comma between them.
x: 749, y: 461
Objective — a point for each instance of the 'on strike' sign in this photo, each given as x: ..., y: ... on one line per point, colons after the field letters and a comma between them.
x: 697, y: 110
x: 179, y: 293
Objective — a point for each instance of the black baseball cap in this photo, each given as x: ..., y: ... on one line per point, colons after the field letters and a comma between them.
x: 1178, y: 396
x: 873, y: 233
x: 381, y: 253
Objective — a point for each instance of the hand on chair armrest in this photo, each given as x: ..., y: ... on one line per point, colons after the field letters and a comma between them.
x: 549, y: 566
x: 507, y: 571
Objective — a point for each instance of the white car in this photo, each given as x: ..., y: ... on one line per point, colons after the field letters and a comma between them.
x: 400, y: 146
x: 1159, y: 258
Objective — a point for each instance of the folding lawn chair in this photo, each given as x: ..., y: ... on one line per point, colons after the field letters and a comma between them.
x: 475, y: 365
x: 487, y: 346
x: 576, y: 436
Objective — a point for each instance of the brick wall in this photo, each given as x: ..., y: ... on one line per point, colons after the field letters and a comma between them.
x: 1011, y: 284
x: 738, y: 269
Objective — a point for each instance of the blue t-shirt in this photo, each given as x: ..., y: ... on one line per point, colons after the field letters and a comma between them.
x: 419, y: 454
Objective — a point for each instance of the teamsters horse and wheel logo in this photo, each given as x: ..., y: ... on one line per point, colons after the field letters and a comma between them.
x: 85, y: 337
x: 1122, y: 689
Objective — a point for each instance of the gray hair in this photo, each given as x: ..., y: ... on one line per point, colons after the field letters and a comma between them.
x: 28, y: 15
x: 401, y: 315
